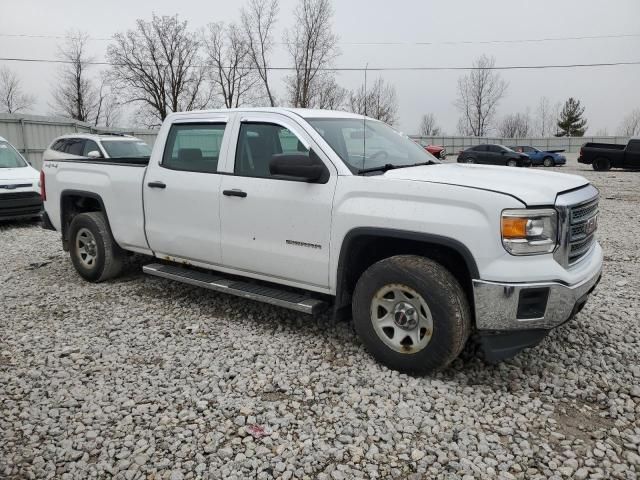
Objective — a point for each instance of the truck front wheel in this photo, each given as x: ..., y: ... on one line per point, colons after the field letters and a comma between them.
x: 411, y: 313
x: 93, y: 251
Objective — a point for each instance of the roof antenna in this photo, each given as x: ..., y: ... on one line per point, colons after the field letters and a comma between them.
x: 364, y: 118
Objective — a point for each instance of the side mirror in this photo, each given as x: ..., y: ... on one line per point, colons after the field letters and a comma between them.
x: 298, y: 167
x: 94, y: 154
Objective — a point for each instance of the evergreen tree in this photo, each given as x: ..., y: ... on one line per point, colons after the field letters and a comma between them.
x: 571, y: 123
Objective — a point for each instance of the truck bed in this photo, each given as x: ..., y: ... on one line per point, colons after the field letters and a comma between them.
x: 605, y: 146
x: 117, y: 183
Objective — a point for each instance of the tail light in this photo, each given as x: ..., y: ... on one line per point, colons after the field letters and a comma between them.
x: 43, y: 189
x: 580, y: 154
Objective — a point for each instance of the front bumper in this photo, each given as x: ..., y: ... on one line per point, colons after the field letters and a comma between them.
x: 16, y: 205
x: 499, y: 306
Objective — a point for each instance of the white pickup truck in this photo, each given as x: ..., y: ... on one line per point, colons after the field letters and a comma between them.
x: 310, y: 209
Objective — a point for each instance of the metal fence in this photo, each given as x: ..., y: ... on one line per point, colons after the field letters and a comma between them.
x: 32, y: 134
x: 568, y: 144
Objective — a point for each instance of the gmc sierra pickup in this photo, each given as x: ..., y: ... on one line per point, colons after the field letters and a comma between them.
x: 310, y: 209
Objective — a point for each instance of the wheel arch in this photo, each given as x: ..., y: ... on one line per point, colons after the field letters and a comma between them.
x: 74, y: 202
x: 364, y: 246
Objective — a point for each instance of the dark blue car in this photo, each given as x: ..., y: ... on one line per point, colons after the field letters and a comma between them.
x: 548, y: 158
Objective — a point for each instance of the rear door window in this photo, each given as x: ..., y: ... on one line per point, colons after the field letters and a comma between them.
x: 194, y: 147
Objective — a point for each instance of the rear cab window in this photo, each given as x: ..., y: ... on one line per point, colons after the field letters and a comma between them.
x: 633, y: 146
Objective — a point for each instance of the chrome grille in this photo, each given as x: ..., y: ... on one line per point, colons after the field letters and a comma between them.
x: 577, y: 222
x: 584, y: 212
x: 582, y: 226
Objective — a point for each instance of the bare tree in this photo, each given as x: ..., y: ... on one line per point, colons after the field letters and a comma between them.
x: 329, y: 94
x: 379, y: 102
x: 545, y: 121
x: 630, y: 126
x: 75, y: 94
x: 429, y: 126
x: 156, y: 66
x: 517, y: 125
x: 107, y: 112
x: 312, y: 46
x: 232, y: 75
x: 12, y: 98
x: 258, y: 19
x: 479, y: 93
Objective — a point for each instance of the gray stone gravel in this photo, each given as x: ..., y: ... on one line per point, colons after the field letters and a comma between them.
x: 144, y: 378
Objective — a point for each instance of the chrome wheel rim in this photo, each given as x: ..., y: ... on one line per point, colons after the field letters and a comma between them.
x: 512, y: 163
x: 401, y: 318
x: 86, y: 247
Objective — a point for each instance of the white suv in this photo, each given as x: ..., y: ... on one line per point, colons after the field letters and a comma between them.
x: 108, y: 145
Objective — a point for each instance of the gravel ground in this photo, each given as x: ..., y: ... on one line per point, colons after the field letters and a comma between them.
x: 144, y: 378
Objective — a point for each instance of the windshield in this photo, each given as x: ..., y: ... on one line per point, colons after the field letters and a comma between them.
x: 126, y: 149
x: 9, y: 157
x: 369, y: 145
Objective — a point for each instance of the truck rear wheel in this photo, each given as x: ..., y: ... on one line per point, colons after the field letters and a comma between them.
x: 93, y: 251
x: 601, y: 164
x: 411, y: 313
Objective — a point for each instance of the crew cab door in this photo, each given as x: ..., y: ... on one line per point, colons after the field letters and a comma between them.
x: 181, y: 191
x: 273, y: 226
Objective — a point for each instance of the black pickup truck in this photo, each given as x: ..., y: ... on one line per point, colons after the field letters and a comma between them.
x: 605, y: 156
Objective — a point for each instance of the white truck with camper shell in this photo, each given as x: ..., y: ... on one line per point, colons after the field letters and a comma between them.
x: 313, y: 209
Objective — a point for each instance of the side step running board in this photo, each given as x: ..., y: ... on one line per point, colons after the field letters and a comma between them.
x: 252, y: 291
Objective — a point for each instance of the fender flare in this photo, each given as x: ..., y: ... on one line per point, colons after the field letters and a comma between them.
x: 440, y: 240
x: 80, y: 193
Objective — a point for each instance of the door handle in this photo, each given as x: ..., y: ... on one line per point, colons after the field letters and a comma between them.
x: 156, y: 185
x: 234, y: 193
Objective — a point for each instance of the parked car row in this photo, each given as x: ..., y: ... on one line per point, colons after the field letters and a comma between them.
x: 517, y: 156
x: 19, y: 181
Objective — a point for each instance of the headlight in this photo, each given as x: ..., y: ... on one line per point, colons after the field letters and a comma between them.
x: 529, y: 232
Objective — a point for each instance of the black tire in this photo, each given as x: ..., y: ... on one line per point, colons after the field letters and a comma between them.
x: 601, y: 164
x: 548, y: 162
x: 512, y: 163
x: 109, y: 257
x: 470, y: 160
x: 444, y: 297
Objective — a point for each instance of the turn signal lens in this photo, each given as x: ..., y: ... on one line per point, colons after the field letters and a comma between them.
x: 514, y: 227
x: 529, y: 231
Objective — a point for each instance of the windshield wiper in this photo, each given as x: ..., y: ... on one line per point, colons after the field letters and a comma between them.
x: 390, y: 166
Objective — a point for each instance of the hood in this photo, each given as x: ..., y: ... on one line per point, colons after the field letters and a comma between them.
x: 10, y: 176
x: 532, y: 187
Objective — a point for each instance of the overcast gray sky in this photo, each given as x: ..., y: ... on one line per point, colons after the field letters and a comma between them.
x: 608, y: 93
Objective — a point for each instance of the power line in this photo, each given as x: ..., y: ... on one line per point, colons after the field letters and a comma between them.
x: 396, y: 43
x: 359, y: 69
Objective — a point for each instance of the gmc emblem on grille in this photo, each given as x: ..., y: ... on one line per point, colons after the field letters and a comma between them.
x: 591, y: 226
